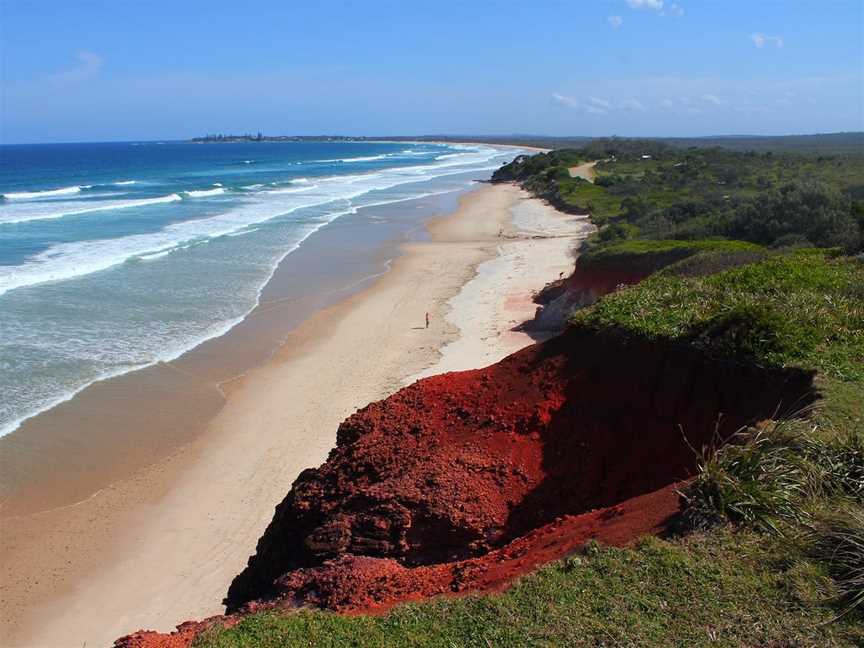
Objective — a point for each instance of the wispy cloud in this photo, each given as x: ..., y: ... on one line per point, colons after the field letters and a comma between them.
x: 87, y: 66
x: 760, y: 40
x: 714, y: 100
x: 633, y: 105
x: 658, y: 6
x: 615, y: 21
x: 563, y: 100
x: 599, y: 102
x: 598, y: 105
x: 654, y: 5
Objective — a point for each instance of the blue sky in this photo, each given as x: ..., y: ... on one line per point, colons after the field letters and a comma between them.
x: 148, y: 69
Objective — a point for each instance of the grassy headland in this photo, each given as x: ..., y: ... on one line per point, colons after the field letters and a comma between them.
x: 755, y: 259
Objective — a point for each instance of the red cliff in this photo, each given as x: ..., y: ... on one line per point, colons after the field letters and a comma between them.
x: 464, y: 481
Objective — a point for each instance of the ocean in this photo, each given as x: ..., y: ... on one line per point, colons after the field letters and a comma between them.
x: 118, y: 256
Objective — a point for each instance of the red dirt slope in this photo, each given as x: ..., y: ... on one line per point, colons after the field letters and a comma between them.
x: 464, y: 481
x: 460, y: 464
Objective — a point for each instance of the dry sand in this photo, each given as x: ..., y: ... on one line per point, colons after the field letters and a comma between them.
x: 162, y: 546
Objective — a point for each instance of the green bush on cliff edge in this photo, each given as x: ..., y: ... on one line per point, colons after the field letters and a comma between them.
x: 801, y: 308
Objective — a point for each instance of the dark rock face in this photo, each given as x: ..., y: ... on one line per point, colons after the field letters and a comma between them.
x: 458, y: 468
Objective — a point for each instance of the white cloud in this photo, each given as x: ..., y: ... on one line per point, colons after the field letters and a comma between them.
x: 87, y: 67
x: 712, y: 99
x: 655, y: 5
x: 760, y: 40
x: 600, y: 102
x: 676, y: 10
x: 615, y: 21
x: 667, y: 103
x: 563, y: 100
x: 633, y: 105
x: 594, y: 110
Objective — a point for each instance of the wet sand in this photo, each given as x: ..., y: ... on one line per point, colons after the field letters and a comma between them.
x: 160, y: 544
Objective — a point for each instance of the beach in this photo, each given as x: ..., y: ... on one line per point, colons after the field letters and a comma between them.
x: 161, y: 544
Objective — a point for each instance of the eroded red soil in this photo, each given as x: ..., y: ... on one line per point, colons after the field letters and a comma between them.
x: 464, y: 481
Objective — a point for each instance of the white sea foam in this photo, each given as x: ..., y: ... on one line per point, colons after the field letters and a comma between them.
x: 69, y: 260
x: 155, y: 255
x: 29, y: 195
x: 367, y: 158
x: 46, y: 211
x: 293, y: 190
x: 244, y: 232
x: 121, y: 183
x: 82, y: 257
x: 203, y: 193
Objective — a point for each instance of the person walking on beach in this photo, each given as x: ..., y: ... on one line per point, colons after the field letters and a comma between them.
x: 427, y: 320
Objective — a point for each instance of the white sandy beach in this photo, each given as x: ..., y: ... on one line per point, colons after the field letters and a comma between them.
x: 162, y: 546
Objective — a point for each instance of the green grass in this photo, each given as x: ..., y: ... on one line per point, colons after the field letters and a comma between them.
x: 588, y: 197
x: 838, y: 541
x: 721, y: 589
x: 641, y: 255
x: 798, y: 309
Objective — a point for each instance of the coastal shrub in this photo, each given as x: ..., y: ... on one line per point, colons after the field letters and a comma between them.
x: 813, y: 212
x: 774, y: 200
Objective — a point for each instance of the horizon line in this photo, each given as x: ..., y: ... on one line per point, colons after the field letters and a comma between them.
x: 428, y: 136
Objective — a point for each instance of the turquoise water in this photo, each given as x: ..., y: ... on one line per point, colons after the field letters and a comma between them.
x: 116, y: 256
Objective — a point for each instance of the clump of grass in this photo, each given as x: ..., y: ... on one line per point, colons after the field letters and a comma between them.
x: 754, y: 479
x: 839, y: 463
x: 838, y: 542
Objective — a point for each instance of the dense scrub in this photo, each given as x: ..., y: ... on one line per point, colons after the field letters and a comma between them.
x: 649, y: 190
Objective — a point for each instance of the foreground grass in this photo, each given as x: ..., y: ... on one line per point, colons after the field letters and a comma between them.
x: 720, y: 589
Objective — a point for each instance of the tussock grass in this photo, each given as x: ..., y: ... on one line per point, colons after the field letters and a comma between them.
x: 754, y: 479
x: 838, y: 542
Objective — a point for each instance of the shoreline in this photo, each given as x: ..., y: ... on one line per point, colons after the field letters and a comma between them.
x: 161, y: 546
x: 220, y: 331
